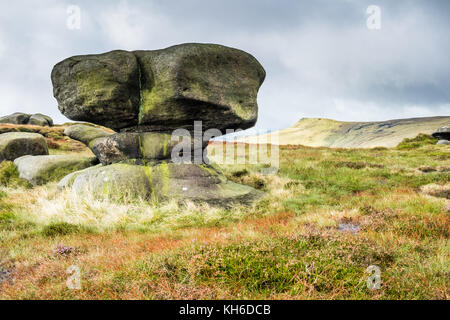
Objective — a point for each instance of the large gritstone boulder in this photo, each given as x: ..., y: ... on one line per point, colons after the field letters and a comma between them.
x: 39, y: 170
x: 144, y: 96
x: 17, y: 144
x: 161, y: 90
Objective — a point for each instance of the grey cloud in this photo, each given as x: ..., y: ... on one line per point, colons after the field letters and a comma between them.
x: 320, y: 58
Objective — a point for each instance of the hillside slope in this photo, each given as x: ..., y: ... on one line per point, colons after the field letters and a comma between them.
x: 315, y: 132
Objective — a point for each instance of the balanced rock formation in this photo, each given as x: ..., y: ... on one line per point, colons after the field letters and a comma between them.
x: 31, y: 119
x: 144, y: 96
x: 443, y: 135
x: 17, y: 144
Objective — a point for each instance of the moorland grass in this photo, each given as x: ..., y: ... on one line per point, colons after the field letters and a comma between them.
x: 288, y: 245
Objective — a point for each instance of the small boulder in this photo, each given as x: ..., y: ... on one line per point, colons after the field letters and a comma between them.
x: 40, y: 120
x: 17, y: 144
x: 39, y: 170
x: 37, y: 119
x: 445, y: 142
x: 86, y: 134
x: 16, y: 118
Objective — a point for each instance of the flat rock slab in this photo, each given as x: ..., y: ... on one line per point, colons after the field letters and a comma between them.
x: 161, y: 182
x: 39, y: 170
x: 14, y: 145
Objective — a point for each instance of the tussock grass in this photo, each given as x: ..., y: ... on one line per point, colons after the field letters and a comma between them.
x: 9, y: 175
x: 417, y: 142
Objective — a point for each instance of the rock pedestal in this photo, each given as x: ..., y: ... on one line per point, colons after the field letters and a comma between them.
x: 144, y: 96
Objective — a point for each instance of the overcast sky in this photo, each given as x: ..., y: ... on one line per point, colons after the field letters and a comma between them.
x: 321, y: 58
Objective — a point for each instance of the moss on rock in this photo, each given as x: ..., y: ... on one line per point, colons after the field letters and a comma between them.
x: 39, y: 170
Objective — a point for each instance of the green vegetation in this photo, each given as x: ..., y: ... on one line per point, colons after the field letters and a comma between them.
x: 291, y: 244
x: 417, y: 142
x: 59, y: 229
x: 9, y: 176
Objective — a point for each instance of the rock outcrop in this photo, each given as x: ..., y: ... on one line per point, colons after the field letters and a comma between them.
x: 443, y: 135
x: 17, y: 144
x: 31, y: 119
x: 144, y: 96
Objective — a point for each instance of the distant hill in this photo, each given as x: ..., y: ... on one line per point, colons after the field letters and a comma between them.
x: 316, y: 132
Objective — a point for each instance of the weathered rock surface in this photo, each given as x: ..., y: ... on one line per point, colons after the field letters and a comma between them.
x: 17, y: 144
x: 16, y: 118
x: 23, y: 118
x: 445, y: 142
x: 100, y: 88
x: 212, y: 83
x: 161, y: 90
x: 146, y: 146
x: 40, y: 120
x: 163, y: 181
x: 68, y: 180
x: 442, y: 133
x: 85, y: 133
x: 39, y: 170
x: 117, y: 147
